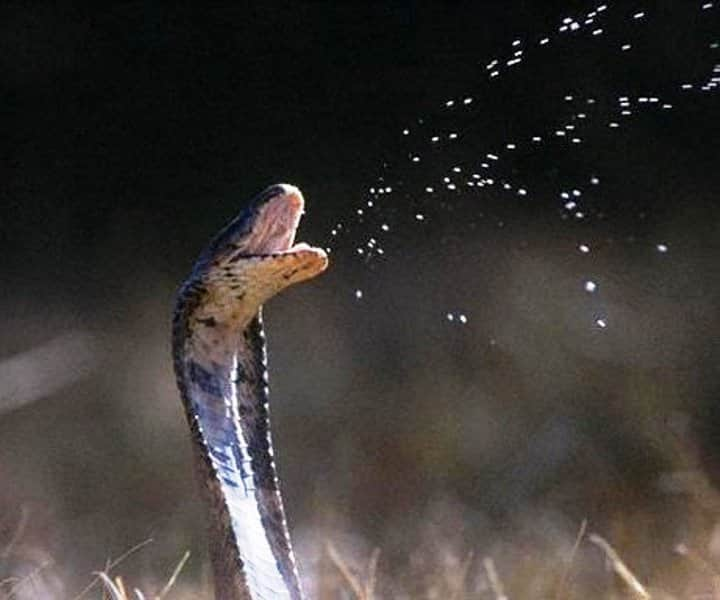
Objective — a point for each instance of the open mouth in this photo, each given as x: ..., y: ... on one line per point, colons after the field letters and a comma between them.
x: 278, y: 213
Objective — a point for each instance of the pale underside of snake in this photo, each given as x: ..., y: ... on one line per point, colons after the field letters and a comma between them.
x: 220, y: 365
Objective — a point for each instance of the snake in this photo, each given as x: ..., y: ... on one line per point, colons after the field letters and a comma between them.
x: 220, y: 363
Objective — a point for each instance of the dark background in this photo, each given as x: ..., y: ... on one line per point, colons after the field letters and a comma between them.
x: 132, y: 132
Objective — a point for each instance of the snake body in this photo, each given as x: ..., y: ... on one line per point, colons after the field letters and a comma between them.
x: 220, y: 364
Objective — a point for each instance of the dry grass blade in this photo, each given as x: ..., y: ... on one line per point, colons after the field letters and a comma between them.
x: 116, y: 592
x: 344, y: 570
x: 372, y: 574
x: 462, y: 576
x: 111, y: 565
x: 619, y: 566
x: 29, y: 578
x: 562, y: 585
x: 171, y: 582
x: 494, y: 579
x: 18, y: 533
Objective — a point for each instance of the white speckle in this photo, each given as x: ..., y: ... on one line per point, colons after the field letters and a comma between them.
x: 576, y: 140
x: 419, y: 217
x: 467, y: 101
x: 370, y: 203
x: 494, y: 73
x: 429, y: 189
x: 406, y: 132
x: 706, y: 6
x: 560, y: 133
x: 358, y: 294
x: 597, y: 31
x: 601, y: 323
x: 686, y: 86
x: 667, y: 106
x: 450, y: 103
x: 457, y: 169
x: 570, y: 205
x: 601, y: 8
x: 511, y: 146
x: 451, y: 186
x: 537, y: 139
x: 385, y: 227
x: 516, y: 42
x: 452, y: 136
x: 590, y: 100
x: 581, y: 115
x: 662, y: 248
x: 568, y: 98
x: 416, y: 159
x: 359, y: 212
x: 513, y: 61
x: 579, y: 215
x: 388, y: 190
x: 450, y: 317
x: 590, y: 286
x: 492, y: 156
x: 577, y: 193
x: 584, y: 248
x: 613, y: 124
x: 544, y: 41
x: 435, y: 138
x: 594, y: 180
x: 522, y: 192
x: 638, y: 15
x: 625, y: 47
x: 491, y: 65
x: 574, y: 26
x: 360, y: 251
x: 463, y: 319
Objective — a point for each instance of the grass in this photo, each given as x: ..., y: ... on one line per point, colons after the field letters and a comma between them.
x: 471, y: 577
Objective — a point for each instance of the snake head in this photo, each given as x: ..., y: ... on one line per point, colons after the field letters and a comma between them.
x: 255, y: 256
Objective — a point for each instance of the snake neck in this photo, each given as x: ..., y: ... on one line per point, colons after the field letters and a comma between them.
x: 222, y: 376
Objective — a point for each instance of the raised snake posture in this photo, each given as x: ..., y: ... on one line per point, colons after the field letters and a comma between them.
x: 220, y: 365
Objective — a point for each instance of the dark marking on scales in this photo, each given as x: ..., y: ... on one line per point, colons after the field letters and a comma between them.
x: 208, y: 381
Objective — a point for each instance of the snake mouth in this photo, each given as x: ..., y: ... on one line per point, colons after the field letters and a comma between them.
x: 278, y: 211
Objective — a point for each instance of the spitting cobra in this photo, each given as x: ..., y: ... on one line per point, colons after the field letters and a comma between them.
x: 221, y: 369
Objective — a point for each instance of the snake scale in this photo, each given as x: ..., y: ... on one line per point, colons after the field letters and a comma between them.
x: 220, y: 364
